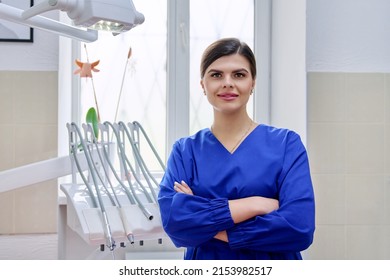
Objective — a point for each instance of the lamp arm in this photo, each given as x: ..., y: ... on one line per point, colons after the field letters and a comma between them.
x: 15, y: 15
x: 48, y: 5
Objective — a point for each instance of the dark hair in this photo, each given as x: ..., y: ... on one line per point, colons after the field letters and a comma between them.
x: 227, y: 46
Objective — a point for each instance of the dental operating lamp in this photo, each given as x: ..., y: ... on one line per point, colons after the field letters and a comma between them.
x: 88, y: 17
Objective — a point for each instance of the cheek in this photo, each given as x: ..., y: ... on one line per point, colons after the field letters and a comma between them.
x: 209, y: 87
x: 246, y: 86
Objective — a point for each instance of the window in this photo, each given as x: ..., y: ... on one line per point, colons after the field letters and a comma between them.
x: 139, y: 83
x: 142, y: 82
x: 232, y: 18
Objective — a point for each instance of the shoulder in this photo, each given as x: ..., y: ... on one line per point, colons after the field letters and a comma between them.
x: 280, y: 140
x: 192, y: 140
x: 278, y: 134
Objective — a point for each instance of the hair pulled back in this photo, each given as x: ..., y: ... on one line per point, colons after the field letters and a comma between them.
x: 224, y: 47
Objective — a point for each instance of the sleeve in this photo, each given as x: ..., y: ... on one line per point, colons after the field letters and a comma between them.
x: 189, y: 220
x: 291, y: 227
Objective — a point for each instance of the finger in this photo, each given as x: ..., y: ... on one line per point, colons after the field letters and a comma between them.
x: 178, y: 187
x: 188, y: 190
x: 182, y: 188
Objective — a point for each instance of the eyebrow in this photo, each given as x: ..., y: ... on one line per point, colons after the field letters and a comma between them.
x: 234, y: 71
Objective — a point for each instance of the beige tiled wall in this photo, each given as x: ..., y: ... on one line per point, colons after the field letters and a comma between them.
x: 349, y: 151
x: 28, y: 133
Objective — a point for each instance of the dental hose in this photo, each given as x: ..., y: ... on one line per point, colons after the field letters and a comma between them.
x: 126, y: 133
x: 138, y: 125
x: 124, y: 188
x: 109, y: 240
x: 73, y: 150
x: 140, y: 161
x: 128, y: 231
x: 87, y: 129
x: 144, y: 167
x: 124, y: 161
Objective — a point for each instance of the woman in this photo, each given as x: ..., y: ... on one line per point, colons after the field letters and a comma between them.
x: 237, y: 190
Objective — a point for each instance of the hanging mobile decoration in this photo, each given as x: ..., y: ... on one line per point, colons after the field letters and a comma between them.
x: 85, y: 71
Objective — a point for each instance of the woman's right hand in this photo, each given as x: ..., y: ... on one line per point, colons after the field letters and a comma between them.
x: 246, y: 208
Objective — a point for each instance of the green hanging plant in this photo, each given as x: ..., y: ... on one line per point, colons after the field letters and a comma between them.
x: 92, y: 118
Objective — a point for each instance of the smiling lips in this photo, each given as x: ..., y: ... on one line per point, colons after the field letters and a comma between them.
x: 228, y: 96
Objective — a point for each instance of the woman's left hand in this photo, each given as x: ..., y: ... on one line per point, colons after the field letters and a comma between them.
x: 182, y: 187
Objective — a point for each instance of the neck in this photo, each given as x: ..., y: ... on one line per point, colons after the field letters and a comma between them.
x: 230, y: 123
x: 232, y: 131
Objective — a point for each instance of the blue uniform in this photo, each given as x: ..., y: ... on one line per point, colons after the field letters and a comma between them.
x: 270, y: 162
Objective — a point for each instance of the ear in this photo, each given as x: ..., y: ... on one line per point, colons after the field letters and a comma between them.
x: 202, y: 85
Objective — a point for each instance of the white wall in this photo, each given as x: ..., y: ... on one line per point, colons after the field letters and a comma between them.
x: 41, y: 55
x: 348, y: 36
x: 288, y: 65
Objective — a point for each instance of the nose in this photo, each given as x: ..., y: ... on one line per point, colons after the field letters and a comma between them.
x: 227, y: 82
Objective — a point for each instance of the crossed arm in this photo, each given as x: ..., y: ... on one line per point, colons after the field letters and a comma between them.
x: 241, y: 209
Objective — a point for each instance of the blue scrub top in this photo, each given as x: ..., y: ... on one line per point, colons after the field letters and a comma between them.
x: 270, y: 162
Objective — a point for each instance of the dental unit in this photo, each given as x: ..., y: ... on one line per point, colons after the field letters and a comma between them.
x: 106, y: 204
x: 112, y: 205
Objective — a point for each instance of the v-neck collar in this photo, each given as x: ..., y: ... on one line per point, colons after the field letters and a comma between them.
x: 239, y: 145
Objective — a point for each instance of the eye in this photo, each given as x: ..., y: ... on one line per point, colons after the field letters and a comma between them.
x: 239, y: 75
x: 216, y: 75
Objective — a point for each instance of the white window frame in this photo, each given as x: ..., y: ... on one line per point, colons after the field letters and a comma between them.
x: 178, y: 81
